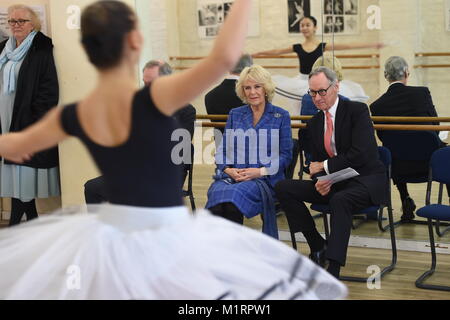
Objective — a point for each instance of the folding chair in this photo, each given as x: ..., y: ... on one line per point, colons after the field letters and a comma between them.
x: 439, y: 172
x: 412, y: 147
x: 385, y: 157
x: 188, y: 171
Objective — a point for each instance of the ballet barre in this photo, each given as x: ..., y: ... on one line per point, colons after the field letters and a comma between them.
x: 374, y: 118
x: 391, y: 127
x: 432, y: 54
x: 341, y: 56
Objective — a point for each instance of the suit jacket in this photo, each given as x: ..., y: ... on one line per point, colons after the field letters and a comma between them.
x: 404, y: 101
x: 222, y: 98
x: 186, y: 118
x: 355, y: 145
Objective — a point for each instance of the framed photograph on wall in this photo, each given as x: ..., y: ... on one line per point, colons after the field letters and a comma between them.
x: 212, y: 13
x: 339, y: 16
x: 297, y: 9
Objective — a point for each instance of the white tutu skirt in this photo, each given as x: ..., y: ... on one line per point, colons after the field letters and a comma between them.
x: 289, y: 91
x: 122, y: 252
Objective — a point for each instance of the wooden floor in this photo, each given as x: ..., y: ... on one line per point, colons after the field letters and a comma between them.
x: 397, y: 285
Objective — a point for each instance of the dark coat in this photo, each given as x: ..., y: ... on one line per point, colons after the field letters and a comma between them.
x: 355, y: 145
x: 37, y: 92
x: 406, y: 101
x: 222, y: 99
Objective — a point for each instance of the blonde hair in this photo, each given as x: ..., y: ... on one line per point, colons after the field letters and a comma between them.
x: 258, y: 74
x: 331, y: 62
x: 33, y: 15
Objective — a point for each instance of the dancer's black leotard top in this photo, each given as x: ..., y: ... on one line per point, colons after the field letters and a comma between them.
x: 140, y: 171
x: 307, y: 59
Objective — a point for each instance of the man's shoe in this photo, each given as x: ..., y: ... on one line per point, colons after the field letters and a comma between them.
x: 408, y: 207
x: 318, y: 257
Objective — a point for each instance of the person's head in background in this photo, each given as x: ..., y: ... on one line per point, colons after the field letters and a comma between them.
x: 246, y: 60
x: 308, y: 26
x: 331, y: 62
x: 109, y: 35
x: 255, y: 86
x: 396, y: 70
x: 22, y: 21
x: 153, y: 69
x: 323, y: 87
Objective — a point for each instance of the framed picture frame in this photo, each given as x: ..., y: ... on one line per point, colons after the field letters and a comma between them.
x: 297, y: 9
x: 212, y: 13
x: 339, y: 16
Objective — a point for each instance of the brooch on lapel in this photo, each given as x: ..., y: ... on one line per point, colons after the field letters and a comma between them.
x: 277, y: 115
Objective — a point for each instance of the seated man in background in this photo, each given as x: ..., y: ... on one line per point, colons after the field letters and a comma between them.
x: 407, y: 101
x: 223, y: 98
x: 94, y: 190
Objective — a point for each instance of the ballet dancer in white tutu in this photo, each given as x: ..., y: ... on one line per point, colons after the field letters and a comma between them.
x: 145, y: 244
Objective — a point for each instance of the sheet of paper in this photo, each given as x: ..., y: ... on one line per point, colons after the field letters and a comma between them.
x: 340, y: 175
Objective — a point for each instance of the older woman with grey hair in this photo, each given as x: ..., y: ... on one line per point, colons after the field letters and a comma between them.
x: 28, y: 89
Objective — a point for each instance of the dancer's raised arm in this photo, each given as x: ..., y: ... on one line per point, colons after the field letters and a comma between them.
x: 172, y: 92
x: 273, y: 52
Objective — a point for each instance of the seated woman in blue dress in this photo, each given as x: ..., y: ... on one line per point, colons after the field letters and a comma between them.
x: 255, y: 151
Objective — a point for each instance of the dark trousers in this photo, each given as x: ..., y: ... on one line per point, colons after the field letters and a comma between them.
x: 228, y: 211
x: 94, y: 191
x: 345, y: 199
x: 18, y: 208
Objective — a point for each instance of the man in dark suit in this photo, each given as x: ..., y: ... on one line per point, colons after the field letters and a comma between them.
x: 342, y: 136
x: 223, y: 98
x: 406, y: 101
x: 94, y: 190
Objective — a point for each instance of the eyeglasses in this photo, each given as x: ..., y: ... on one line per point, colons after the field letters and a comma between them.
x: 19, y: 22
x: 321, y: 92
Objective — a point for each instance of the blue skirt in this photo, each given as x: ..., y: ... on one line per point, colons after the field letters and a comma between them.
x: 244, y: 195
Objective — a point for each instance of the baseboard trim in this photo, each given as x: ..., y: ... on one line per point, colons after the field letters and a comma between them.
x: 379, y: 243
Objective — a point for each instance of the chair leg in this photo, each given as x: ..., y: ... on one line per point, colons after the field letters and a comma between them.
x: 393, y: 257
x: 380, y: 222
x: 438, y: 229
x: 420, y: 281
x: 191, y: 199
x: 294, y: 242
